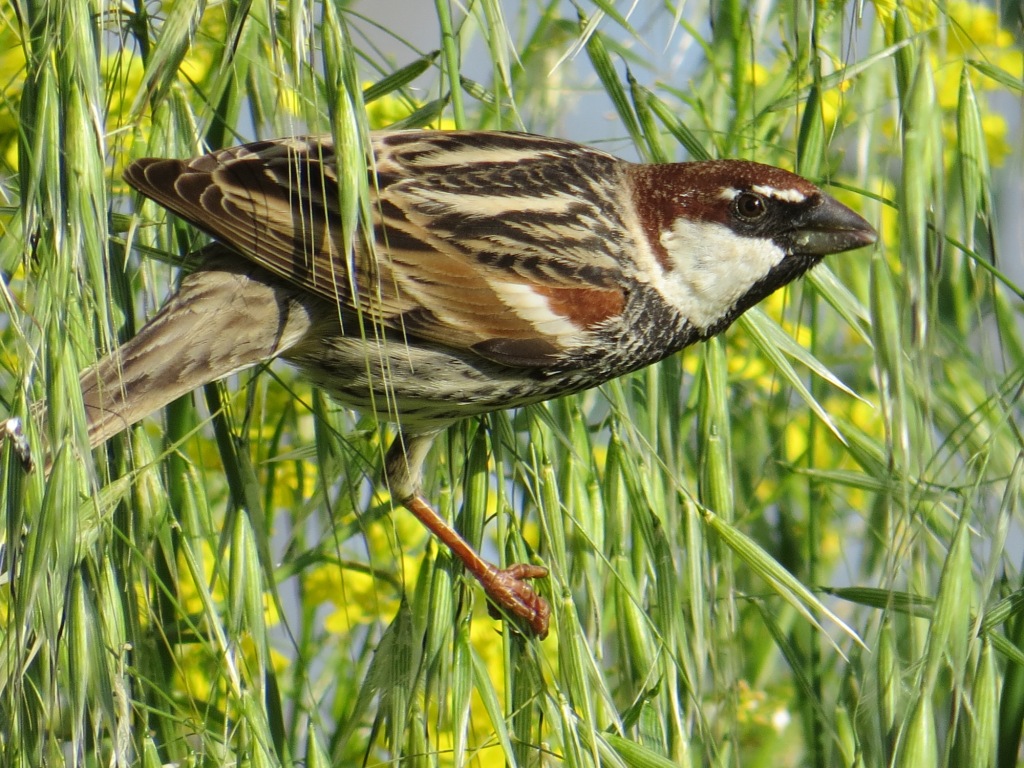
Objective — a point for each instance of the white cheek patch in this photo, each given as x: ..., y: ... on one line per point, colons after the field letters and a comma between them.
x: 712, y: 268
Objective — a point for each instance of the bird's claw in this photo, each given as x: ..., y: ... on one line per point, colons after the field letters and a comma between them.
x: 511, y: 594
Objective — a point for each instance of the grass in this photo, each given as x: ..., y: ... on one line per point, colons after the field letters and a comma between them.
x: 798, y: 544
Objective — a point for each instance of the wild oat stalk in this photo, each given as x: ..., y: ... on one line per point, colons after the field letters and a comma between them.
x: 229, y: 588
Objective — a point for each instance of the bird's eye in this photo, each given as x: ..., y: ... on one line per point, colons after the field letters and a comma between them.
x: 750, y: 206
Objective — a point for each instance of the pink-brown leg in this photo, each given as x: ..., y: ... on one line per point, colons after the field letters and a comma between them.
x: 506, y: 587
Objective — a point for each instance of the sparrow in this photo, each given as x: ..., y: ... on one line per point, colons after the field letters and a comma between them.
x: 502, y: 269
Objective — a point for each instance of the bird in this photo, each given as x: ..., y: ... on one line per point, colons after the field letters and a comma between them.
x: 496, y: 269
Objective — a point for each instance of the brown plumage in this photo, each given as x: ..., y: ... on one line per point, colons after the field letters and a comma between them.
x: 507, y: 269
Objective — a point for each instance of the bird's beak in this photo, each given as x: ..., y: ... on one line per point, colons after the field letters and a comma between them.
x: 829, y: 227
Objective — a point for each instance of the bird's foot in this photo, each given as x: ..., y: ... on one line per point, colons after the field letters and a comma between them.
x: 506, y: 587
x: 512, y: 595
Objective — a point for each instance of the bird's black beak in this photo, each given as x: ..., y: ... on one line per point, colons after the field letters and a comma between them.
x: 828, y: 226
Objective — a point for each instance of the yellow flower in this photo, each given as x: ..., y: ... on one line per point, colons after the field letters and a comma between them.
x: 190, y: 591
x: 922, y: 14
x: 358, y: 597
x: 975, y: 27
x: 393, y: 107
x: 759, y: 74
x: 205, y: 50
x: 123, y: 73
x: 12, y: 81
x: 832, y: 102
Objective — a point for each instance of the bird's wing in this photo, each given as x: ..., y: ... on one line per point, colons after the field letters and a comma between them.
x: 507, y: 244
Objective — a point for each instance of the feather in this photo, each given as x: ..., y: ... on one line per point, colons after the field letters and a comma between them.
x: 506, y: 245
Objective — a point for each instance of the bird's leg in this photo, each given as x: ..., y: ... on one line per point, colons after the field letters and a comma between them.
x: 506, y: 587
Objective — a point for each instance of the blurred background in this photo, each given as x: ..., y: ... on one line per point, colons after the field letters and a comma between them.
x: 798, y: 544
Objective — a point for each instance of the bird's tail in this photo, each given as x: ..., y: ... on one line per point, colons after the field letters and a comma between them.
x: 224, y: 318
